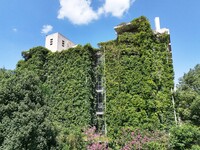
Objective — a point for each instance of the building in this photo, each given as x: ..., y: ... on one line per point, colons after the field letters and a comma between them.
x: 111, y: 82
x: 120, y: 89
x: 56, y: 42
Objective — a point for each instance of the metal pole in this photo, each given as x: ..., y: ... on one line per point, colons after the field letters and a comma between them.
x: 175, y: 117
x: 104, y: 91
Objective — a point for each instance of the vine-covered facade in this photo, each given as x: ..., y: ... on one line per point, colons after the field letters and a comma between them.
x: 126, y: 83
x: 138, y: 74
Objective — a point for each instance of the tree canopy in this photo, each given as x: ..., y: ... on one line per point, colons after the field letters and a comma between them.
x: 188, y: 96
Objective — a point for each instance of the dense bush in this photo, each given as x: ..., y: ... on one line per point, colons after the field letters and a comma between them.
x: 185, y: 136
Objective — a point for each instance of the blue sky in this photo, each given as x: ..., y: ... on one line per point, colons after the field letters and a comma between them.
x: 24, y: 24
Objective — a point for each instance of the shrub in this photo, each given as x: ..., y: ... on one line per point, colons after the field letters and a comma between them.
x: 184, y: 137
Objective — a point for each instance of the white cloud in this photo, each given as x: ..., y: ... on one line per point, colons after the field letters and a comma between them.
x: 14, y: 29
x: 81, y: 12
x: 116, y: 7
x: 46, y: 29
x: 77, y: 11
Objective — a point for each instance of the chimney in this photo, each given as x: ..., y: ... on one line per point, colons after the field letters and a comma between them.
x: 157, y: 23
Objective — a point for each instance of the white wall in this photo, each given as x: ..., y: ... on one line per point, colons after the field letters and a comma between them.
x: 52, y: 47
x: 59, y: 42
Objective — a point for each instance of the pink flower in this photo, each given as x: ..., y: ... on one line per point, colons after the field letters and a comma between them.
x: 139, y: 136
x: 133, y: 142
x: 132, y: 133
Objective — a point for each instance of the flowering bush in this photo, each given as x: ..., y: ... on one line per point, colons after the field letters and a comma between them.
x: 135, y: 140
x: 127, y: 140
x: 95, y: 141
x: 140, y: 140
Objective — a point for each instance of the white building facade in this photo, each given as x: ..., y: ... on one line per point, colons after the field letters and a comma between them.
x: 56, y: 42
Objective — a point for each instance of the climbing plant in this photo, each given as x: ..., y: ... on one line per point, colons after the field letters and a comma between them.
x: 139, y: 78
x: 69, y: 85
x: 49, y: 98
x: 70, y: 82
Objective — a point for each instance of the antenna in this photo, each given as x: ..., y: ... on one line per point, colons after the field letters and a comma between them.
x: 157, y: 23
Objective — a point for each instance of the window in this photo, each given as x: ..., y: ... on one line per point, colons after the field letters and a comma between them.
x: 63, y: 43
x: 51, y: 41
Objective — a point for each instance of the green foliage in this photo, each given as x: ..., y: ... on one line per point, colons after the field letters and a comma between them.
x: 71, y: 88
x: 188, y: 96
x: 156, y: 145
x: 136, y: 25
x: 139, y: 78
x: 50, y: 97
x: 140, y: 139
x: 23, y: 123
x: 68, y: 82
x: 185, y: 136
x: 195, y: 147
x: 72, y: 141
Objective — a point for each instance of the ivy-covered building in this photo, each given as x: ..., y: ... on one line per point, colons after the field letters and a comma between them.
x: 125, y: 83
x: 133, y: 78
x: 137, y: 74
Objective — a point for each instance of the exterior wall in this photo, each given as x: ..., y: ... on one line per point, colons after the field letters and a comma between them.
x: 63, y: 43
x: 51, y: 42
x: 57, y: 42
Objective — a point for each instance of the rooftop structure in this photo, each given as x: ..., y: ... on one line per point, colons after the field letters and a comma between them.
x: 128, y: 27
x: 124, y: 27
x: 56, y: 42
x: 158, y: 29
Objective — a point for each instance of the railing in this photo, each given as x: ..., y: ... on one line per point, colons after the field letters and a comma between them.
x: 100, y: 109
x: 99, y: 86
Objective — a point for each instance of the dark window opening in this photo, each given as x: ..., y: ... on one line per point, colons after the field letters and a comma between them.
x: 63, y: 43
x: 51, y: 41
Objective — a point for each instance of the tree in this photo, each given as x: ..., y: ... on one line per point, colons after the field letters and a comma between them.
x: 23, y: 123
x: 188, y: 96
